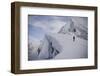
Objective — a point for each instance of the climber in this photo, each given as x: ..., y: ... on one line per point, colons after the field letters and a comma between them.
x: 74, y: 30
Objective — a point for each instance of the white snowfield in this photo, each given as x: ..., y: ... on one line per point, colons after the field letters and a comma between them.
x: 68, y: 49
x: 71, y: 49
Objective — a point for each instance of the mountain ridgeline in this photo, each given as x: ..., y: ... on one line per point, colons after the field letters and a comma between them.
x: 75, y: 28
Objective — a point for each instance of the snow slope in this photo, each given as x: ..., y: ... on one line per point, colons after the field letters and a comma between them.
x: 70, y: 49
x: 64, y: 44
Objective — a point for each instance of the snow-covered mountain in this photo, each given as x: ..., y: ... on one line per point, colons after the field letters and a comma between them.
x: 50, y: 47
x: 79, y: 25
x: 60, y: 45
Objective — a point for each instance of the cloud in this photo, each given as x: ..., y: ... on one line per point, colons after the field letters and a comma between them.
x: 49, y: 23
x: 54, y: 23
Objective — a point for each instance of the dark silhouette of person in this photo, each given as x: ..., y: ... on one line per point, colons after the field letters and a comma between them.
x: 73, y: 38
x: 39, y: 51
x: 74, y: 30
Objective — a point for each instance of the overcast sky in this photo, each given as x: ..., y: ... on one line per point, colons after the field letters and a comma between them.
x: 38, y: 25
